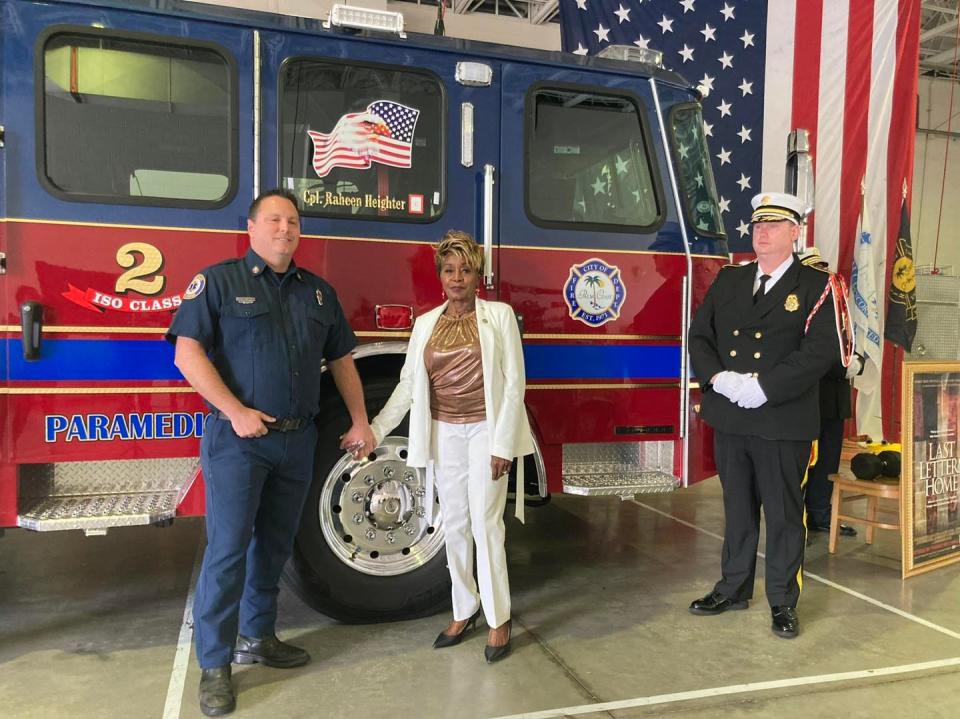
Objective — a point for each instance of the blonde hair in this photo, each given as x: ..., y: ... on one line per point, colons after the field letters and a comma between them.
x: 461, y: 244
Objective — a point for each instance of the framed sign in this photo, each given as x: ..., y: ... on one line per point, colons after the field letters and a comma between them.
x: 930, y: 480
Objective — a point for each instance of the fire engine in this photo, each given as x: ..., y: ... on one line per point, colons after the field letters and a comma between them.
x: 134, y: 137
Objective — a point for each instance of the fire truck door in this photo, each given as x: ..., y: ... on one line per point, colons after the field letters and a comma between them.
x: 128, y: 170
x: 592, y: 258
x: 386, y: 146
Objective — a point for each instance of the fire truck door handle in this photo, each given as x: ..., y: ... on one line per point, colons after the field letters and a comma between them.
x: 488, y: 172
x: 31, y: 324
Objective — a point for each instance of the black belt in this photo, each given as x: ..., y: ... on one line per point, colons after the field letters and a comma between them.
x: 287, y: 424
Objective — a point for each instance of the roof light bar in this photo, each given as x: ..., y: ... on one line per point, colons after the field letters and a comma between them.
x: 362, y: 18
x: 632, y: 53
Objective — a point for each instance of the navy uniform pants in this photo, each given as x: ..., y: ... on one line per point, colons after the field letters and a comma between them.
x: 255, y: 490
x: 755, y: 473
x: 819, y: 488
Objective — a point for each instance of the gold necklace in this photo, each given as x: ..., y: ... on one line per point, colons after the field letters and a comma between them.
x: 452, y: 316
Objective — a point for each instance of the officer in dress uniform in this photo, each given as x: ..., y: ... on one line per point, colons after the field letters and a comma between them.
x: 250, y: 337
x: 760, y: 342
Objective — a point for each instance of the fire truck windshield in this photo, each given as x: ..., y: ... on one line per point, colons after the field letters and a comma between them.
x: 695, y: 175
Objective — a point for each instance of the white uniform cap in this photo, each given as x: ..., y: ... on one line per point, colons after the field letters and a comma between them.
x: 776, y: 207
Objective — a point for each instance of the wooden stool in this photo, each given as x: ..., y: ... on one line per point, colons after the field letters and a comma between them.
x: 856, y: 488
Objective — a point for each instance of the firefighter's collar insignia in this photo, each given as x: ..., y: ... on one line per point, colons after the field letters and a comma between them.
x: 245, y: 300
x: 320, y: 298
x: 791, y: 304
x: 196, y: 286
x: 594, y: 292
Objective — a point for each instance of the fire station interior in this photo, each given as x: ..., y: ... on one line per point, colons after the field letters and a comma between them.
x: 101, y: 626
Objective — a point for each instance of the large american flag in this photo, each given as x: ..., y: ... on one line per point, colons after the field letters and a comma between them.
x: 846, y: 70
x: 382, y: 133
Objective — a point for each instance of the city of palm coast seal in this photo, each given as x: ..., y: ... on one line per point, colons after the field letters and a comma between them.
x: 594, y: 292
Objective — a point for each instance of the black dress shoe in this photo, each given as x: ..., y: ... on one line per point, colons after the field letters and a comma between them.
x: 445, y: 640
x: 269, y: 651
x: 495, y: 653
x: 216, y: 692
x: 786, y: 623
x: 715, y: 603
x: 845, y: 530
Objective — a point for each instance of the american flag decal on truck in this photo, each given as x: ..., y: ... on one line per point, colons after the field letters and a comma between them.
x: 382, y: 133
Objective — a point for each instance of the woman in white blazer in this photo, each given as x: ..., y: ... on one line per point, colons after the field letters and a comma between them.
x: 463, y: 384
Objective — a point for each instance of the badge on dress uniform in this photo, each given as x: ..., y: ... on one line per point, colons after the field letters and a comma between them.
x: 792, y: 304
x: 320, y: 298
x: 195, y: 287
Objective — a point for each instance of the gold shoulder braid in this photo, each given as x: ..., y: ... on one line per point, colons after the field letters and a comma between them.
x: 845, y: 335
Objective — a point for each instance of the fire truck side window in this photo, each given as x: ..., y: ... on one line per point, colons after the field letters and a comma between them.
x: 136, y: 121
x: 695, y: 172
x: 588, y: 161
x: 362, y: 140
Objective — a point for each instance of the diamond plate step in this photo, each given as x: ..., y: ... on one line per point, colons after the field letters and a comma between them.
x: 624, y: 485
x: 96, y: 513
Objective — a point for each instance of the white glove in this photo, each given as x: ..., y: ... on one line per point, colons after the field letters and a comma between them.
x: 750, y: 395
x: 856, y: 366
x: 728, y: 383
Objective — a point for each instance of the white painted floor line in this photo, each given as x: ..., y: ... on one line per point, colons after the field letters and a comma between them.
x: 823, y: 580
x: 737, y: 689
x: 178, y: 675
x: 882, y: 605
x: 678, y: 520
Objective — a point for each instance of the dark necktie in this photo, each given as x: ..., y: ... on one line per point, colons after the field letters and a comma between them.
x: 762, y: 289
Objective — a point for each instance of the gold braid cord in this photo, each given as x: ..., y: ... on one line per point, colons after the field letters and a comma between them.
x: 845, y: 335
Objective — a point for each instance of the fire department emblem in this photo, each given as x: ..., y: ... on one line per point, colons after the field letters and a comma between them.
x: 594, y: 292
x: 195, y: 287
x: 792, y: 303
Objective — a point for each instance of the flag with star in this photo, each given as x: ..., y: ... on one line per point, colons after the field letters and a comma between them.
x: 845, y: 70
x: 901, y: 325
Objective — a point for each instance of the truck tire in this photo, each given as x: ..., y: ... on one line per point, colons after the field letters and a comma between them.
x: 365, y: 551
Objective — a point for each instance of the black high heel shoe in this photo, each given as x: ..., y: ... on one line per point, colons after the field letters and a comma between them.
x: 495, y: 654
x: 444, y: 640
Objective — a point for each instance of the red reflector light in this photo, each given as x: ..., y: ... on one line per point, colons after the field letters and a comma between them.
x: 394, y: 317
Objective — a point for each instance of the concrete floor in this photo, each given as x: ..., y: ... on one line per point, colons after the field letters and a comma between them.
x: 90, y: 627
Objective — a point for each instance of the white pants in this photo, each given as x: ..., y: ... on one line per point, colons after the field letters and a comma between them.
x: 472, y: 505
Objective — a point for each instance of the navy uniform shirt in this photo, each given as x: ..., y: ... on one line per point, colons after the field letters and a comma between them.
x: 266, y: 334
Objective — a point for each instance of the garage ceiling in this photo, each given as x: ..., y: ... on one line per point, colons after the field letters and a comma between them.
x: 938, y: 38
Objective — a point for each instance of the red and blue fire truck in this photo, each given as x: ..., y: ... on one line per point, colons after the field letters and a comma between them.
x: 134, y: 137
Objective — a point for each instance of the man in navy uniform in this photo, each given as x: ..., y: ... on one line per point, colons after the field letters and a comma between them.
x: 760, y: 342
x: 250, y: 337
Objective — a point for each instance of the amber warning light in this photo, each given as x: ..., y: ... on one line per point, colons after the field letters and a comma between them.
x: 394, y: 317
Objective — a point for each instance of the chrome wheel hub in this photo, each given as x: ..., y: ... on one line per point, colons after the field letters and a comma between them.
x: 372, y: 512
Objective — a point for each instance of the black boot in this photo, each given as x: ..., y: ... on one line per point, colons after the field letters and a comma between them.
x: 785, y: 622
x: 269, y: 651
x: 216, y: 692
x: 715, y: 603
